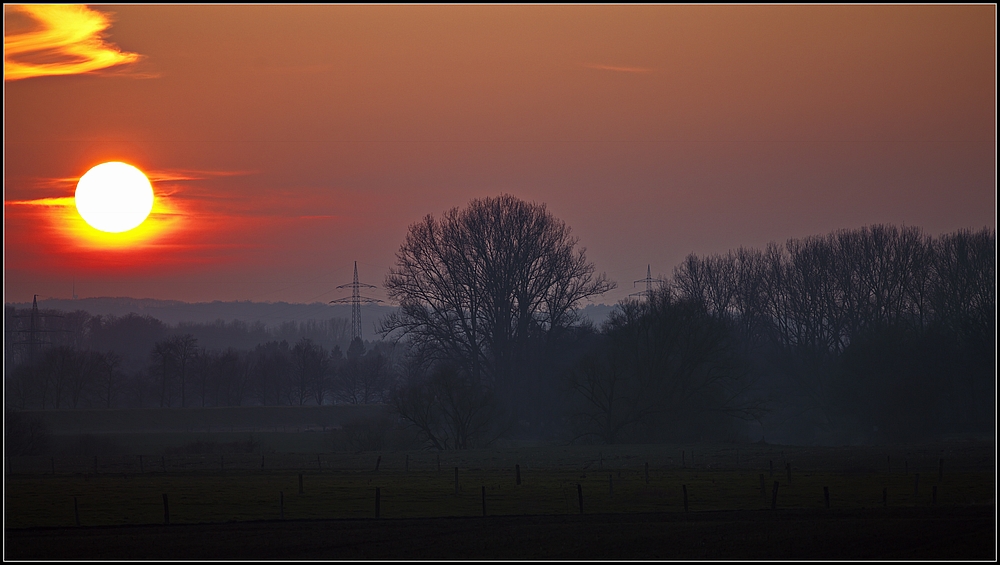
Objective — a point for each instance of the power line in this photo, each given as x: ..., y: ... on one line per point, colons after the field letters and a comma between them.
x: 649, y: 280
x: 356, y: 300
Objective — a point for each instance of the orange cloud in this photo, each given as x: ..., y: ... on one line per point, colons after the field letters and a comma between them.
x: 65, y: 40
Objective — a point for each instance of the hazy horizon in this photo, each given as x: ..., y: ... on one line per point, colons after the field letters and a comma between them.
x: 284, y: 143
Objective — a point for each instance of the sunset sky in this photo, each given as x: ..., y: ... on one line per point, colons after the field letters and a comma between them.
x: 285, y: 143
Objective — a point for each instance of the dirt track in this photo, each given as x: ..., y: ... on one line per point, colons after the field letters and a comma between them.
x: 914, y: 533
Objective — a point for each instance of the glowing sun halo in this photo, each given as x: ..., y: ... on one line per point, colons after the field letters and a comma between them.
x: 114, y: 197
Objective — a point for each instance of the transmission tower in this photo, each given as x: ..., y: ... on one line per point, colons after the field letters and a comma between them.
x: 649, y: 280
x: 356, y: 300
x: 35, y: 338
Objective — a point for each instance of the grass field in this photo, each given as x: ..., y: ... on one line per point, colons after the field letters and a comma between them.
x: 613, y: 479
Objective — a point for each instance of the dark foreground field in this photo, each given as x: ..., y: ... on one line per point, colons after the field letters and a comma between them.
x: 893, y: 533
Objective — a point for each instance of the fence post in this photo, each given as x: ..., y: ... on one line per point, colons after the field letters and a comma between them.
x: 378, y: 462
x: 166, y: 510
x: 579, y: 496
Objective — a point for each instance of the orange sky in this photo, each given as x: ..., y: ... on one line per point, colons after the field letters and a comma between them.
x: 287, y: 142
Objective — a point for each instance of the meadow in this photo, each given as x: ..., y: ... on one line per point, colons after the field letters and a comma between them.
x: 227, y: 487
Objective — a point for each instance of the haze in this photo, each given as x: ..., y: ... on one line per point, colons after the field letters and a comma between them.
x: 292, y: 141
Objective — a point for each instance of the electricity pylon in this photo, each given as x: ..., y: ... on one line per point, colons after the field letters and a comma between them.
x: 649, y: 280
x: 34, y: 340
x: 356, y: 300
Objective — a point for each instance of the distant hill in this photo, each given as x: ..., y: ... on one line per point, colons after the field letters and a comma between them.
x: 270, y: 313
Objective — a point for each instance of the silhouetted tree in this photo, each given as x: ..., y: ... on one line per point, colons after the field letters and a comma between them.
x: 476, y: 287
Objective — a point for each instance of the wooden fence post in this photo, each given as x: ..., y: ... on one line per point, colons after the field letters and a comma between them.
x: 378, y: 462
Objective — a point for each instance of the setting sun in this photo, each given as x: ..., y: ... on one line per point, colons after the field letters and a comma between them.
x: 114, y: 197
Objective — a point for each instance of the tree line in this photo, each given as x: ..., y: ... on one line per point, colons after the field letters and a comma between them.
x: 881, y: 333
x: 873, y: 334
x: 84, y: 361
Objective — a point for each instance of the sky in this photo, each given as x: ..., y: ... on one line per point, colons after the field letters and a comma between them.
x: 284, y: 143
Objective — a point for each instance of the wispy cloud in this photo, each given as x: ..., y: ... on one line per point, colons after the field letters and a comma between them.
x: 618, y: 69
x: 65, y: 40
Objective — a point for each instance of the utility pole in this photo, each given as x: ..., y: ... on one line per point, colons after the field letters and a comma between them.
x: 649, y: 280
x: 356, y: 300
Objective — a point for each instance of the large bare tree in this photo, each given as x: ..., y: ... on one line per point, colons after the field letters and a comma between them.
x: 479, y: 285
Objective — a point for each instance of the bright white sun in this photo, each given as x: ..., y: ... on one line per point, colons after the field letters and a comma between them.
x: 114, y: 197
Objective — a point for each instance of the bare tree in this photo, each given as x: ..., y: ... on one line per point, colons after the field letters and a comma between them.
x: 478, y: 285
